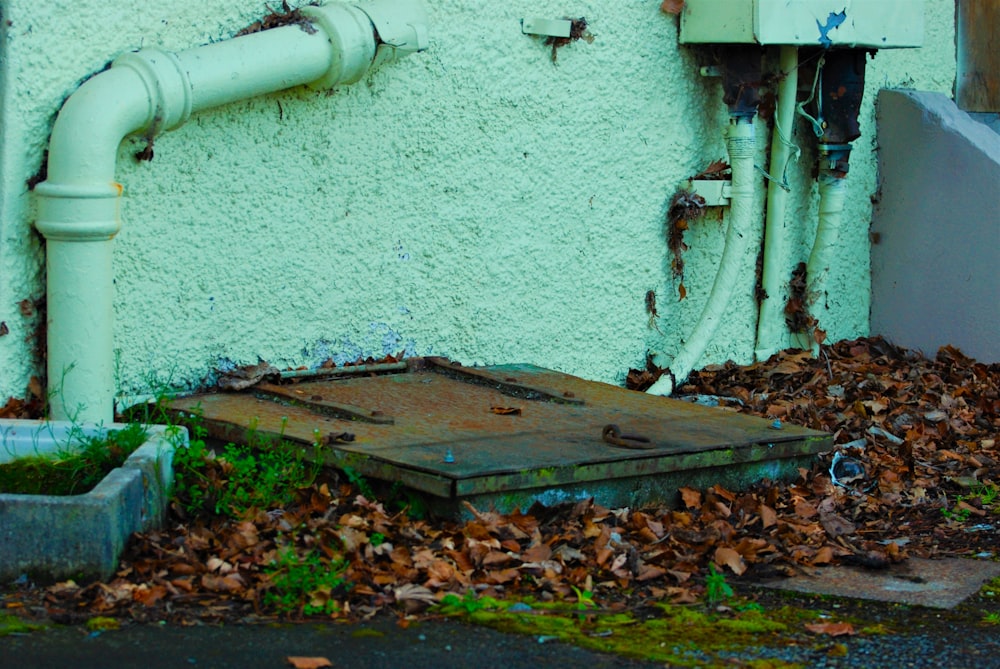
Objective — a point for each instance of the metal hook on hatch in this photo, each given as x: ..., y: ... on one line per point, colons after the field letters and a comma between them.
x: 612, y: 434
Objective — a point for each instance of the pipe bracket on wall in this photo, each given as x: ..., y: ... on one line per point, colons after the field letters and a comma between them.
x: 715, y: 192
x: 547, y: 27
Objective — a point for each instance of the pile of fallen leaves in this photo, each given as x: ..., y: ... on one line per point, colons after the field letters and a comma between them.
x: 921, y: 434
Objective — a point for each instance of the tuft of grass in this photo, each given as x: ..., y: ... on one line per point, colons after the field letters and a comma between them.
x: 74, y: 469
x: 985, y: 495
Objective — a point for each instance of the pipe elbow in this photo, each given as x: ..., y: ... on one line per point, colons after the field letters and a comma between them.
x: 92, y: 123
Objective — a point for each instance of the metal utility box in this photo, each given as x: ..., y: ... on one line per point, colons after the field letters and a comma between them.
x: 873, y: 24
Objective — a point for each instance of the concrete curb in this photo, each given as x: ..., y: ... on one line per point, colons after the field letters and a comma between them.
x: 82, y: 536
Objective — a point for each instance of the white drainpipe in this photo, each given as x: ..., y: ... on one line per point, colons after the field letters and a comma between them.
x: 740, y: 143
x: 832, y: 193
x: 772, y: 333
x: 150, y: 91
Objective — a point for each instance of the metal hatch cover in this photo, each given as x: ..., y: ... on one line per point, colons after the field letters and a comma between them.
x: 507, y: 435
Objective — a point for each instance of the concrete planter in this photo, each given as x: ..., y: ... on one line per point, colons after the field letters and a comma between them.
x: 81, y: 536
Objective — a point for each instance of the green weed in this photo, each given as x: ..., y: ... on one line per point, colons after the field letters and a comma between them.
x: 584, y: 599
x: 402, y: 498
x: 359, y: 482
x: 716, y: 588
x: 11, y: 624
x: 986, y: 495
x: 262, y: 474
x: 959, y: 515
x: 307, y: 584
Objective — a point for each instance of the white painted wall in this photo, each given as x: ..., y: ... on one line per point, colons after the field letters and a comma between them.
x: 474, y: 201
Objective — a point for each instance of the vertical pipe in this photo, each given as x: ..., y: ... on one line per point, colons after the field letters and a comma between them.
x: 832, y: 193
x: 740, y: 141
x: 75, y: 269
x: 771, y: 330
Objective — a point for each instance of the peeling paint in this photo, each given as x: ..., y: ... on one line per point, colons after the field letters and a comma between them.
x: 832, y: 22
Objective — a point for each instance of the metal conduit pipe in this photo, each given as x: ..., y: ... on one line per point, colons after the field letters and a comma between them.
x: 740, y: 143
x: 147, y: 92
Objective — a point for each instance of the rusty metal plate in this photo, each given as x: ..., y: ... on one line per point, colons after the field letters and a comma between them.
x: 456, y: 431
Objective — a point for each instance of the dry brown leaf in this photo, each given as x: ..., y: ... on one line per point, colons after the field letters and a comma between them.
x: 836, y: 525
x: 768, y: 517
x: 308, y: 662
x: 413, y: 592
x: 725, y: 556
x: 831, y: 629
x: 502, y: 576
x: 496, y: 559
x: 672, y: 6
x: 823, y: 556
x: 147, y: 596
x: 229, y: 583
x: 690, y: 497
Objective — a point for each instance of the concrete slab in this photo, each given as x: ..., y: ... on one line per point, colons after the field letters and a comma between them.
x: 941, y: 584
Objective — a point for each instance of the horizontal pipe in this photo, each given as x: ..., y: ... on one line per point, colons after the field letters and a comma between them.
x: 147, y: 92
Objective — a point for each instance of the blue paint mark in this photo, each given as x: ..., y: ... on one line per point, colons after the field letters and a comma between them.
x: 832, y: 21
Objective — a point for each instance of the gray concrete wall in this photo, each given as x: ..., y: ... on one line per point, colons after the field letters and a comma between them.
x: 936, y: 227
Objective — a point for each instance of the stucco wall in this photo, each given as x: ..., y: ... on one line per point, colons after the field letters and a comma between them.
x: 475, y: 201
x: 934, y: 270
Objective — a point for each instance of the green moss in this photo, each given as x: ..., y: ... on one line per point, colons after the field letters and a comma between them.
x: 676, y: 635
x: 103, y: 624
x: 366, y: 633
x: 14, y: 625
x: 991, y: 589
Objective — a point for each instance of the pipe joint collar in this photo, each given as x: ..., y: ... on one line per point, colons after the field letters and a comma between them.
x: 352, y: 36
x: 78, y: 213
x: 167, y: 85
x: 400, y: 28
